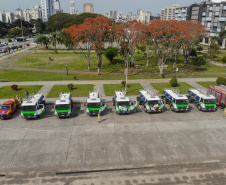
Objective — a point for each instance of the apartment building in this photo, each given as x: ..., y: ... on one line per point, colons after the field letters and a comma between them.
x: 168, y: 12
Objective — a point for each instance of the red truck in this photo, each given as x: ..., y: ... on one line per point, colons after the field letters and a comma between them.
x: 220, y: 94
x: 8, y: 108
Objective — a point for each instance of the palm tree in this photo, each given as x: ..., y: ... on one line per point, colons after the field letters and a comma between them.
x: 43, y: 40
x: 53, y: 39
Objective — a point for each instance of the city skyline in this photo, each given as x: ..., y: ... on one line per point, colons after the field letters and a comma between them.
x: 100, y: 6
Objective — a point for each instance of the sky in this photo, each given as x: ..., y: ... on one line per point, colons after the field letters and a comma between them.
x: 101, y: 6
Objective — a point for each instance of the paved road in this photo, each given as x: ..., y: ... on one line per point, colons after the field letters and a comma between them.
x: 120, y: 141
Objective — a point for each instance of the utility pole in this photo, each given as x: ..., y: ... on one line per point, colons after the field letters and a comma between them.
x: 23, y: 38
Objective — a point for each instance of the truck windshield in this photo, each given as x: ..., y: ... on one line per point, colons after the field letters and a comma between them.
x: 209, y: 101
x: 154, y: 102
x: 62, y: 107
x: 181, y: 102
x: 124, y: 103
x: 5, y: 108
x: 28, y: 108
x: 90, y: 105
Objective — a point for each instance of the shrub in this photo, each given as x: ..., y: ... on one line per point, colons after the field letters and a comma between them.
x: 198, y: 61
x: 193, y: 52
x: 9, y: 40
x: 221, y: 81
x: 14, y: 87
x: 20, y: 46
x: 70, y: 86
x: 199, y: 48
x: 56, y: 52
x: 111, y: 52
x: 224, y: 59
x: 173, y: 82
x: 123, y: 83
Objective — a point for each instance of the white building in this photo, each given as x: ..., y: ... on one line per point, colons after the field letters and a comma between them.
x: 7, y: 17
x: 145, y: 17
x: 72, y: 7
x: 36, y: 12
x: 47, y: 9
x: 168, y: 12
x: 56, y: 7
x: 112, y: 15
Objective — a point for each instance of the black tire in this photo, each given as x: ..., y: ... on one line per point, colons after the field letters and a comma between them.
x: 2, y: 118
x: 199, y: 108
x: 113, y: 100
x: 36, y: 117
x: 171, y: 107
x: 10, y: 116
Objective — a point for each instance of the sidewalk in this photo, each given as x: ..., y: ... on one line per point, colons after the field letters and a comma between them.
x: 98, y: 86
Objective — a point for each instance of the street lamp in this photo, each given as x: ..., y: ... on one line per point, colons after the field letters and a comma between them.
x: 23, y: 38
x: 67, y: 69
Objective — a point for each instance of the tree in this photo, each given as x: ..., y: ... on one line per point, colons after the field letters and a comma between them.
x: 64, y: 20
x: 53, y: 39
x: 65, y: 38
x: 15, y: 31
x: 40, y: 25
x: 192, y: 31
x: 111, y: 52
x: 198, y: 61
x: 127, y: 36
x: 213, y: 49
x: 94, y: 32
x: 3, y: 29
x: 199, y: 48
x: 42, y: 39
x: 164, y: 36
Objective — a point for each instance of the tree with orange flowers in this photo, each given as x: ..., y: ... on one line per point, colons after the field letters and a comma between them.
x: 94, y: 32
x: 192, y: 32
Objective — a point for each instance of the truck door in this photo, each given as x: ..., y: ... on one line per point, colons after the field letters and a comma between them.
x: 218, y: 98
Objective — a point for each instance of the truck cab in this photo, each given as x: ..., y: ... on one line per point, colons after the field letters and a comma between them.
x: 64, y: 106
x: 95, y: 105
x: 202, y: 101
x: 150, y: 102
x: 33, y: 108
x: 177, y: 102
x: 8, y: 108
x: 122, y: 103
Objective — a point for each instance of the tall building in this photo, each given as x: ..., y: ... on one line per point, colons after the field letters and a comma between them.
x: 47, y: 9
x: 72, y: 7
x: 7, y: 17
x: 145, y: 17
x: 181, y: 14
x: 212, y: 14
x: 56, y: 7
x: 36, y: 12
x: 168, y: 12
x: 88, y: 8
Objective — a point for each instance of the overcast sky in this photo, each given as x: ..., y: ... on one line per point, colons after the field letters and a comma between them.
x: 101, y: 6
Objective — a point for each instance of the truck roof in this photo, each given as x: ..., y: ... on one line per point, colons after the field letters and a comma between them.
x: 65, y: 98
x: 63, y: 102
x: 120, y: 96
x: 174, y: 95
x: 10, y: 101
x: 202, y: 95
x: 93, y: 97
x: 34, y: 100
x: 148, y: 96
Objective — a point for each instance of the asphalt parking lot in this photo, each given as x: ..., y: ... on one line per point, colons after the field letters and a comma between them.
x: 140, y: 139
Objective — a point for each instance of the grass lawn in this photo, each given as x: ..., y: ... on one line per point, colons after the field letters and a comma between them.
x: 19, y: 76
x: 77, y: 62
x: 77, y: 91
x: 206, y: 84
x: 132, y: 88
x: 183, y: 87
x: 7, y: 92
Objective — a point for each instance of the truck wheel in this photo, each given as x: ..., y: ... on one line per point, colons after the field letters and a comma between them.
x: 199, y: 107
x: 36, y: 117
x: 10, y: 116
x: 2, y: 118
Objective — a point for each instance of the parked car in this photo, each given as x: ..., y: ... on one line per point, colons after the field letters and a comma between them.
x: 14, y: 47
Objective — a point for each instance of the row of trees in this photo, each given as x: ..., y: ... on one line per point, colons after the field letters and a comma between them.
x: 164, y: 38
x: 55, y: 24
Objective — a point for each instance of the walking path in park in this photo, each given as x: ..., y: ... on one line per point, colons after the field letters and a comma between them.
x: 98, y: 85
